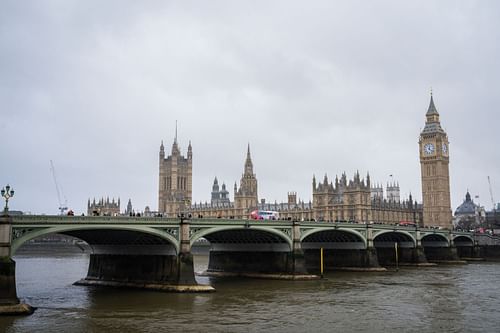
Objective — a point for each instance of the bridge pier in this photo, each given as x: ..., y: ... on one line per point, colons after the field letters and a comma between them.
x: 370, y: 258
x: 164, y: 270
x: 185, y: 262
x: 476, y: 251
x: 344, y: 259
x: 296, y: 263
x: 262, y: 264
x: 409, y: 256
x: 9, y: 302
x: 286, y: 265
x: 419, y: 257
x: 156, y: 272
x: 472, y: 253
x: 443, y: 255
x: 296, y: 257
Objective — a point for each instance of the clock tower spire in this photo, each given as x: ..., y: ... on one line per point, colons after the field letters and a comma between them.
x: 434, y: 167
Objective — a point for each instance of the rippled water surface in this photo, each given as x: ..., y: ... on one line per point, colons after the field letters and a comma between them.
x: 463, y: 298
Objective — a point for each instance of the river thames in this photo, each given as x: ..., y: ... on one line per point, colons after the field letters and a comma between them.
x: 459, y: 298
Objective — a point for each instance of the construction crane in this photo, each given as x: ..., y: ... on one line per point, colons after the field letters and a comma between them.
x: 491, y: 194
x: 494, y: 207
x: 63, y: 207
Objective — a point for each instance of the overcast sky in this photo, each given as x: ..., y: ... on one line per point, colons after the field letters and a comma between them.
x: 315, y: 87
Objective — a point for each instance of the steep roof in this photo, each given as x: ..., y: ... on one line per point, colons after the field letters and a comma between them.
x: 432, y: 125
x: 432, y: 108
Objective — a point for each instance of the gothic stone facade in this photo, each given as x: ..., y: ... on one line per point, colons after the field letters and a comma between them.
x: 434, y: 166
x: 354, y: 200
x: 175, y: 189
x: 343, y: 201
x: 103, y: 207
x: 175, y: 181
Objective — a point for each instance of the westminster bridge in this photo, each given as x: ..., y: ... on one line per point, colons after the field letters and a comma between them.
x: 153, y: 252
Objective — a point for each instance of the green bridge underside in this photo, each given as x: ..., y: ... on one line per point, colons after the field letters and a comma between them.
x: 145, y: 235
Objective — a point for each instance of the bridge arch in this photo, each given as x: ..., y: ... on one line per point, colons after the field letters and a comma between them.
x: 243, y: 234
x: 435, y: 240
x: 333, y: 238
x: 463, y: 240
x: 387, y: 238
x: 244, y: 249
x: 152, y: 235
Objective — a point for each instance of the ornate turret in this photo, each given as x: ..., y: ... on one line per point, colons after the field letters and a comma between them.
x: 104, y: 207
x: 219, y: 196
x: 162, y: 150
x: 129, y: 207
x: 190, y: 151
x: 175, y: 146
x: 393, y: 191
x: 432, y: 111
x: 377, y: 192
x: 175, y: 180
x: 248, y: 163
x: 356, y: 177
x: 215, y: 192
x: 224, y: 194
x: 343, y: 179
x: 245, y: 198
x: 432, y: 123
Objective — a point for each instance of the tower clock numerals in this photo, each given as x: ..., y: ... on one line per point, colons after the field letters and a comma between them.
x: 445, y: 148
x: 429, y: 148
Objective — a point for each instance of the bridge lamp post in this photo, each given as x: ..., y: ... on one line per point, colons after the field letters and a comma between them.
x: 7, y: 193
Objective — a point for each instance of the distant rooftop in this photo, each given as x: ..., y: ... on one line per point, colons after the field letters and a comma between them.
x: 468, y: 207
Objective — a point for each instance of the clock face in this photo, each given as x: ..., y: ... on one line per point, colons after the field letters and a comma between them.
x: 429, y: 148
x: 445, y: 148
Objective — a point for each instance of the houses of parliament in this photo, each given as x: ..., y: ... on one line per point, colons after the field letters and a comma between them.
x: 342, y: 199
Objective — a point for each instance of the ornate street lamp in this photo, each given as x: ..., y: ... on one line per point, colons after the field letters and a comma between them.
x: 7, y: 193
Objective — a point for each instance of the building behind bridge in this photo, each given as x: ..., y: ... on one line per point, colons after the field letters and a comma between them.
x: 354, y: 199
x: 103, y: 207
x: 343, y: 200
x: 493, y: 219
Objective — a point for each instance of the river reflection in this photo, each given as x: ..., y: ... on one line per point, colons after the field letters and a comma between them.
x: 433, y: 299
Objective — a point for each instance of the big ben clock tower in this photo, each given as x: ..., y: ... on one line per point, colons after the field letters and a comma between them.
x: 434, y: 166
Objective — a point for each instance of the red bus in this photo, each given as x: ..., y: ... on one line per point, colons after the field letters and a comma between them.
x: 406, y: 223
x: 264, y: 215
